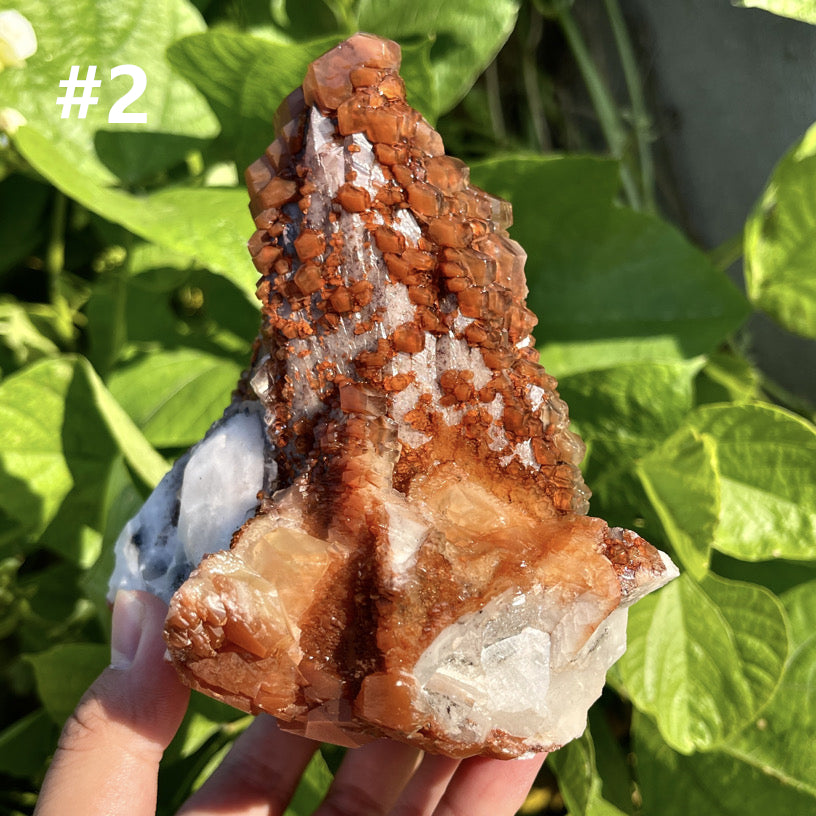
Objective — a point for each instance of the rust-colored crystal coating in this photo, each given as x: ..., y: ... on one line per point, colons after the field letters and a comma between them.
x: 420, y: 564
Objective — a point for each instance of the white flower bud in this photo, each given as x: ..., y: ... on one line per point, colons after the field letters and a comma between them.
x: 11, y: 120
x: 17, y: 39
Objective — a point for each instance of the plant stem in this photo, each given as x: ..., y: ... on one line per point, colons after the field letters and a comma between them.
x: 608, y: 115
x: 787, y: 399
x: 494, y: 103
x: 728, y: 252
x: 640, y: 116
x: 345, y: 14
x: 55, y: 251
x: 529, y: 73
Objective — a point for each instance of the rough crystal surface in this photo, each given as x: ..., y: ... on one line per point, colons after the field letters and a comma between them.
x: 392, y: 504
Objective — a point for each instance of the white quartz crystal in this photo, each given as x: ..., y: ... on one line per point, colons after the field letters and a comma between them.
x: 210, y: 492
x: 512, y: 666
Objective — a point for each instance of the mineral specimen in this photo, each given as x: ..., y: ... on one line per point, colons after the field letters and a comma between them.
x: 391, y: 509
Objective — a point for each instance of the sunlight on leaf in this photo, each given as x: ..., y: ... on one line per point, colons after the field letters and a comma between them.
x: 766, y: 459
x: 780, y: 241
x: 676, y: 785
x: 704, y: 658
x: 683, y: 484
x: 804, y: 10
x: 108, y: 34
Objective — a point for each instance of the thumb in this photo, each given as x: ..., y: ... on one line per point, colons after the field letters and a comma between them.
x: 108, y: 756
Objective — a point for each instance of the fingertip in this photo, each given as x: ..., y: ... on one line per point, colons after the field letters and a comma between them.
x: 109, y: 752
x: 126, y: 628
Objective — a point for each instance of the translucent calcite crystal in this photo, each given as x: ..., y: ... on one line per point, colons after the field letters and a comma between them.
x: 392, y: 503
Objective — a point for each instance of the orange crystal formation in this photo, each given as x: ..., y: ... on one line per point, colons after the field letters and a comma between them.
x: 420, y: 564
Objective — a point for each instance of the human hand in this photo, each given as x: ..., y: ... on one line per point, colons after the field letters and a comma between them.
x: 108, y: 756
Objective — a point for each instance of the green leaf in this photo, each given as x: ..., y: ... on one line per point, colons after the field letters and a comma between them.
x: 712, y: 783
x: 54, y: 609
x: 96, y: 433
x: 244, y: 78
x: 622, y: 413
x: 138, y: 453
x: 780, y: 240
x: 727, y: 377
x: 60, y: 434
x: 119, y: 503
x: 20, y: 336
x: 209, y: 225
x: 625, y: 410
x: 174, y: 396
x: 34, y: 477
x: 797, y: 9
x: 467, y: 35
x: 578, y: 779
x: 417, y: 72
x: 767, y: 464
x: 313, y: 786
x: 26, y: 744
x: 205, y: 717
x: 704, y: 658
x: 107, y: 34
x: 609, y: 285
x: 63, y: 674
x: 800, y: 603
x: 682, y: 482
x: 782, y: 740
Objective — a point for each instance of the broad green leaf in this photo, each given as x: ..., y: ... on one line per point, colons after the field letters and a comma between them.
x: 96, y: 432
x: 205, y: 717
x: 609, y: 285
x: 174, y: 396
x: 26, y: 744
x: 121, y: 501
x: 54, y: 609
x: 780, y: 240
x: 60, y: 433
x: 800, y: 604
x: 64, y: 672
x: 625, y: 410
x: 34, y: 477
x: 611, y: 755
x: 467, y: 35
x: 779, y: 575
x: 417, y: 71
x: 622, y: 413
x: 710, y: 783
x: 797, y: 9
x: 682, y: 481
x: 578, y: 779
x: 244, y: 78
x: 313, y: 786
x: 138, y: 453
x: 767, y: 464
x: 704, y: 658
x: 106, y: 34
x: 726, y: 377
x: 209, y: 225
x: 782, y: 739
x: 22, y: 341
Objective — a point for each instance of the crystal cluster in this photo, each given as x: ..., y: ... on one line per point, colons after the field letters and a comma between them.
x: 391, y: 509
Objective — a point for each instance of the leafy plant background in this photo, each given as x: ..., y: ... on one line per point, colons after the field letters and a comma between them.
x: 127, y: 313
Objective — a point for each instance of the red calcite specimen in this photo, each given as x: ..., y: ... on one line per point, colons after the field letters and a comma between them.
x: 421, y: 565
